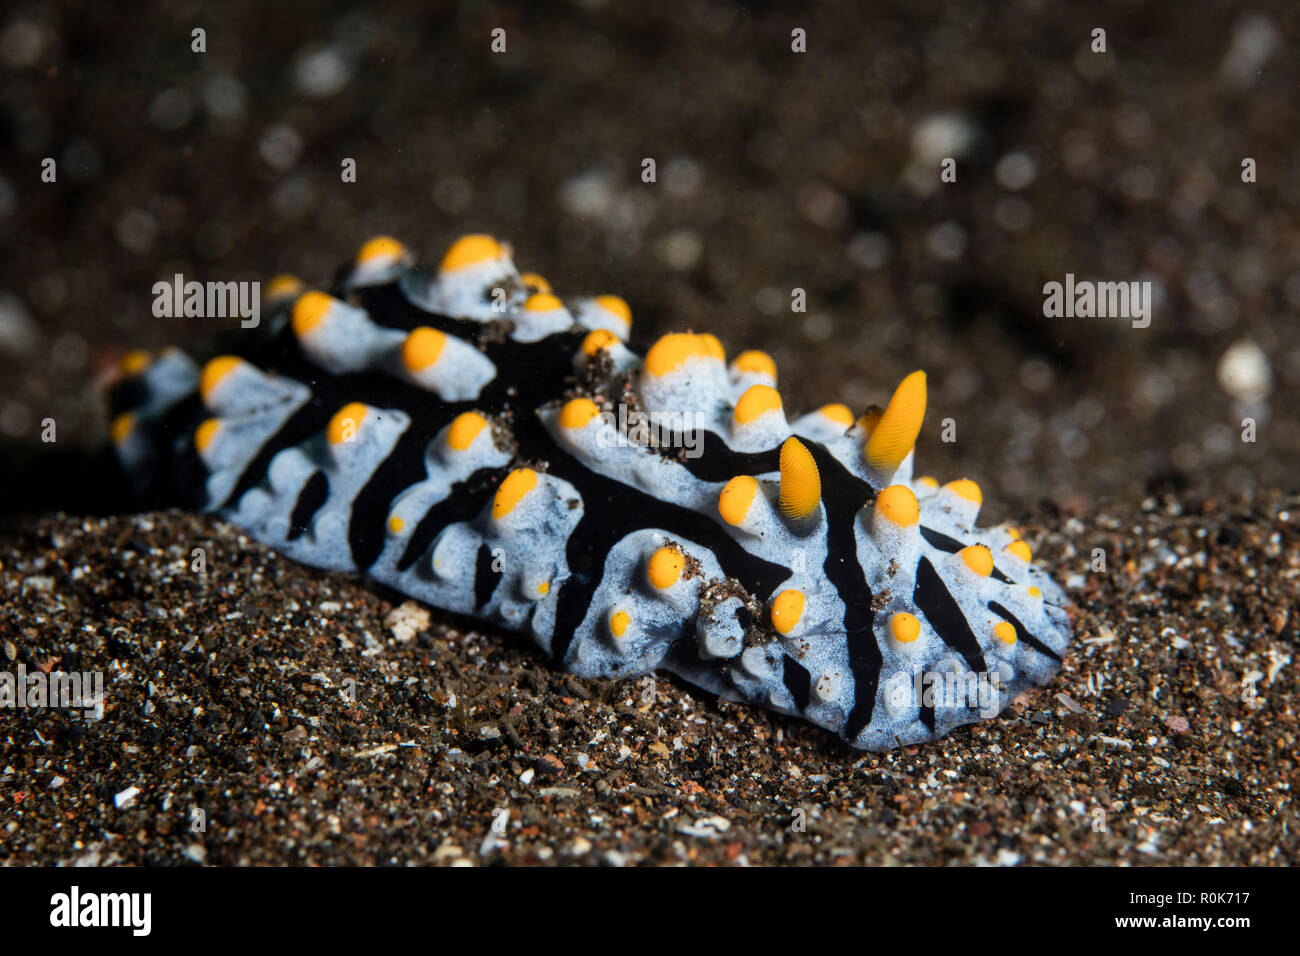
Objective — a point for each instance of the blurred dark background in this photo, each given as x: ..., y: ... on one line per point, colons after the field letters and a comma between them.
x: 776, y: 170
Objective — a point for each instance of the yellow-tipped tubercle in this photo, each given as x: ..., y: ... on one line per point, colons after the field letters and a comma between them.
x: 736, y: 497
x: 215, y: 371
x: 422, y: 348
x: 756, y: 401
x: 346, y: 423
x: 513, y: 490
x: 978, y: 558
x: 666, y: 566
x: 904, y: 627
x: 380, y: 247
x: 309, y: 311
x: 899, y: 505
x: 577, y: 412
x: 464, y: 429
x: 787, y: 608
x: 468, y: 251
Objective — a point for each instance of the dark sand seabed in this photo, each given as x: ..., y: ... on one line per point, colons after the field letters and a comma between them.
x: 226, y: 692
x: 1169, y: 738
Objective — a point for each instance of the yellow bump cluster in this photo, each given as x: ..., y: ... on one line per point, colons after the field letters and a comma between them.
x: 978, y: 558
x: 422, y: 348
x: 215, y: 371
x: 513, y: 490
x: 787, y: 608
x: 899, y: 505
x: 1005, y: 632
x: 345, y: 424
x: 736, y: 497
x: 801, y: 483
x: 469, y: 251
x: 665, y: 568
x: 757, y: 400
x: 894, y: 435
x: 578, y: 412
x: 464, y: 429
x: 309, y: 311
x: 674, y: 349
x: 904, y: 627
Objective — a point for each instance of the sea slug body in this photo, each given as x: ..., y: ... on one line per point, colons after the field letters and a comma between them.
x: 469, y: 438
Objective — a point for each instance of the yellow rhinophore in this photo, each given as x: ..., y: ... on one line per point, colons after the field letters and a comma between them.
x: 894, y: 436
x: 801, y: 483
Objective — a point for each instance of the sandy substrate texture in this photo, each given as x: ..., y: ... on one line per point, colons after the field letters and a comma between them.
x: 311, y: 722
x: 776, y: 171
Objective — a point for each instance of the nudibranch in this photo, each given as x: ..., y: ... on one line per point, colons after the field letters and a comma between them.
x: 467, y: 437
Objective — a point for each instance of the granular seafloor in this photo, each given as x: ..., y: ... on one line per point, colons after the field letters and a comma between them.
x: 309, y: 721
